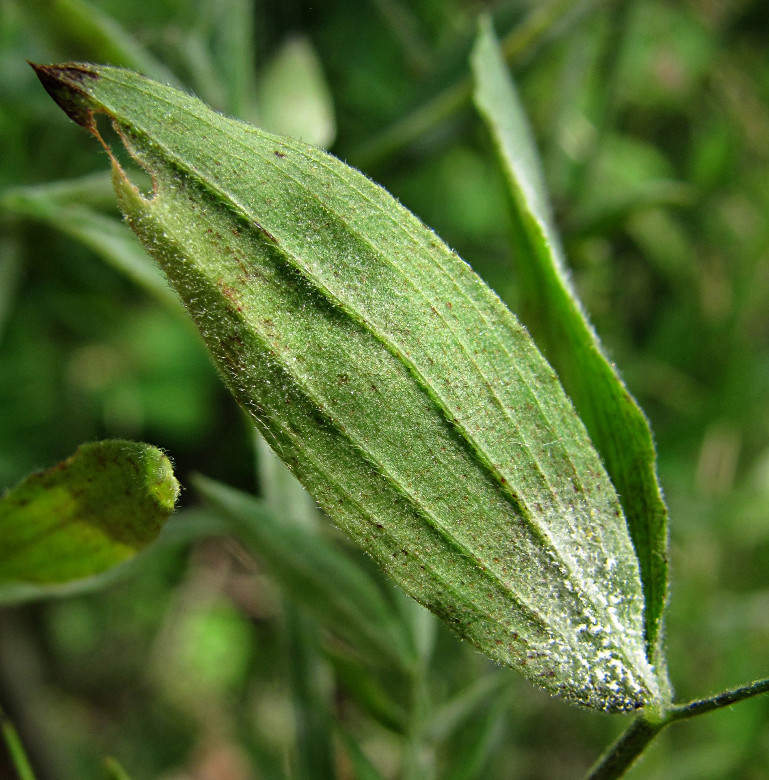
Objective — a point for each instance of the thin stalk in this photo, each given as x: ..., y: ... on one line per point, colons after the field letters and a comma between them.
x: 518, y: 42
x: 725, y: 699
x: 626, y: 750
x: 631, y: 745
x: 15, y: 748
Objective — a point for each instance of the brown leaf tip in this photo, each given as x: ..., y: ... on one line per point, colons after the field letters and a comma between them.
x: 66, y: 85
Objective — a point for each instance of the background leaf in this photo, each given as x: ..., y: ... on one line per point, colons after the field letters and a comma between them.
x: 294, y: 96
x: 84, y: 516
x: 313, y: 572
x: 676, y: 284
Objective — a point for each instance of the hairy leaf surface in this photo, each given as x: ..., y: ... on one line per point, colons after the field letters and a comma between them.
x: 392, y: 381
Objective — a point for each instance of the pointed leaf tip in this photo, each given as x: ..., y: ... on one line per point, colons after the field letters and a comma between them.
x: 65, y: 84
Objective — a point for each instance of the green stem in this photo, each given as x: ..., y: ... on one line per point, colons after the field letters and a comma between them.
x: 631, y: 745
x: 405, y: 131
x: 725, y: 699
x: 15, y: 748
x: 624, y: 752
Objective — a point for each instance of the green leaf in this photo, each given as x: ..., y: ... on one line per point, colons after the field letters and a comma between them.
x: 295, y: 99
x: 363, y: 767
x: 82, y: 517
x: 311, y: 691
x: 114, y: 771
x: 379, y: 699
x: 66, y: 206
x: 616, y: 424
x: 15, y: 748
x: 396, y: 386
x: 313, y: 573
x: 83, y: 29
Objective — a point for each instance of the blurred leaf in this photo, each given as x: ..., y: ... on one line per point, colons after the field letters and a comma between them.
x: 114, y: 771
x: 15, y: 748
x: 475, y: 744
x: 363, y: 769
x: 80, y: 518
x: 313, y: 573
x: 616, y: 424
x: 453, y: 715
x: 380, y: 702
x: 234, y: 52
x: 67, y: 206
x: 311, y: 688
x: 518, y: 44
x: 10, y: 266
x: 601, y: 217
x: 295, y: 99
x: 83, y: 30
x: 281, y: 490
x: 392, y: 381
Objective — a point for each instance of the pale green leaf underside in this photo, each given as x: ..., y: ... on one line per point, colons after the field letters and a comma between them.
x: 392, y: 381
x: 616, y: 424
x: 85, y: 515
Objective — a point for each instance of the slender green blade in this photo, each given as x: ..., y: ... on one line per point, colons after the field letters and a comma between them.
x: 314, y: 573
x: 82, y: 517
x: 64, y: 205
x: 15, y: 748
x: 396, y: 386
x: 114, y: 771
x: 83, y: 28
x: 617, y: 426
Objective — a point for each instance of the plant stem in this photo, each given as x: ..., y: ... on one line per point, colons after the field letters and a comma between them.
x: 701, y: 706
x: 623, y: 753
x: 630, y: 745
x: 15, y: 748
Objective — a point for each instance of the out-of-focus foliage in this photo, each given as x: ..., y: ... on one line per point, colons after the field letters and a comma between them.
x: 653, y: 120
x: 83, y: 517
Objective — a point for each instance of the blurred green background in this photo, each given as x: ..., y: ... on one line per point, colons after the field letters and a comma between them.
x: 211, y: 657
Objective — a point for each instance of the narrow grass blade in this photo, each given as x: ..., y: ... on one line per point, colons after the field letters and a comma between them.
x: 363, y: 768
x: 395, y: 385
x: 82, y: 27
x: 113, y: 770
x: 311, y: 697
x: 65, y: 206
x: 10, y: 272
x: 381, y: 701
x: 313, y: 573
x: 616, y: 424
x: 15, y: 748
x: 82, y: 517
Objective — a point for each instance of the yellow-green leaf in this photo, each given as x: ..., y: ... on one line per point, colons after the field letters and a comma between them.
x: 85, y: 515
